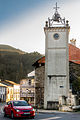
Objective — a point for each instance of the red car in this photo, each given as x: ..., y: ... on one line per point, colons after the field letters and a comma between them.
x: 19, y: 108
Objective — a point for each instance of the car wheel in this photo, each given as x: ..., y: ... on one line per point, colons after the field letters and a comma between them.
x: 12, y: 115
x: 5, y: 114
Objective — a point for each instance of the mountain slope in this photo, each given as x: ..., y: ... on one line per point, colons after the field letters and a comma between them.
x: 7, y: 48
x: 15, y: 66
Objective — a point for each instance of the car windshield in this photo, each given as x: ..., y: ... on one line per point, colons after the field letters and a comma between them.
x: 20, y: 103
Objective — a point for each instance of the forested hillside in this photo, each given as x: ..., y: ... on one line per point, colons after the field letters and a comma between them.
x: 15, y: 66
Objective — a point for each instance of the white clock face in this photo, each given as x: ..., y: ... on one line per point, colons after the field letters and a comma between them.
x: 56, y: 36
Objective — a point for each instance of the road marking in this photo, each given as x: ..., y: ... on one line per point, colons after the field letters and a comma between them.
x: 51, y: 118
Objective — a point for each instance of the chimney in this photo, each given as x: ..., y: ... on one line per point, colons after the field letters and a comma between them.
x: 73, y: 41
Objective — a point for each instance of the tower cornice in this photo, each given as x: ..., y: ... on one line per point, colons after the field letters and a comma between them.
x: 56, y: 28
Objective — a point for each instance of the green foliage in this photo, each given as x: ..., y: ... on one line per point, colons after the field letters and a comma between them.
x: 15, y: 66
x: 74, y: 74
x: 76, y: 86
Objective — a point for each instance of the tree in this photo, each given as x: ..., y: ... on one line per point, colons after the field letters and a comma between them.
x: 15, y: 66
x: 76, y: 86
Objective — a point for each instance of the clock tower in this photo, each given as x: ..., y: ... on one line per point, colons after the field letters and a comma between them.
x: 56, y: 60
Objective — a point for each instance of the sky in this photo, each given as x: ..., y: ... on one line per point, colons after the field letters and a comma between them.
x: 22, y: 22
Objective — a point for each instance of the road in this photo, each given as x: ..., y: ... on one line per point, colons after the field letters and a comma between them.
x: 47, y: 115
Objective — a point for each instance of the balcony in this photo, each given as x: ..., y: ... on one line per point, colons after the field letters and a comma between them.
x: 27, y: 94
x: 27, y: 86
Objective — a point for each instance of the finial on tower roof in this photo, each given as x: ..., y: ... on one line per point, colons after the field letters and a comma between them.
x: 56, y: 17
x: 56, y: 7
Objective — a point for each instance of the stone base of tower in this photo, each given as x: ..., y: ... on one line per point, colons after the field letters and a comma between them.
x: 52, y: 105
x: 55, y: 87
x: 69, y: 103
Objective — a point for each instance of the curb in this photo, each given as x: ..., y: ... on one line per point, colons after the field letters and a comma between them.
x: 45, y: 112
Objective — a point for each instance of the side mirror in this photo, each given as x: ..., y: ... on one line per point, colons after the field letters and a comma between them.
x: 9, y: 105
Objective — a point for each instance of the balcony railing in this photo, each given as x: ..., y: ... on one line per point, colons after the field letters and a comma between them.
x: 27, y: 86
x: 27, y: 95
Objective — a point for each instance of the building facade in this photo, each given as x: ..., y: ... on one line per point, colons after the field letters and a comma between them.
x: 16, y: 92
x: 27, y: 90
x: 9, y: 93
x: 2, y: 92
x: 12, y: 90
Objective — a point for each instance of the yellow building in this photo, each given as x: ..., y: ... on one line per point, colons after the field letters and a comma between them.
x: 12, y: 90
x: 15, y: 94
x: 9, y: 93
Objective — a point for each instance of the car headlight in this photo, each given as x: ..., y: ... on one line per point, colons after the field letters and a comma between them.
x: 17, y: 110
x: 33, y: 109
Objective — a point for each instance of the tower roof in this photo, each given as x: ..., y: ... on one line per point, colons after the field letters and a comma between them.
x: 56, y: 19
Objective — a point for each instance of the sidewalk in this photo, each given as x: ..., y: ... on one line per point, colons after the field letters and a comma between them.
x: 2, y: 107
x: 48, y: 111
x: 53, y: 111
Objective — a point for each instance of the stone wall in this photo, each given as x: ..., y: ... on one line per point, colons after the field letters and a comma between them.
x: 39, y: 86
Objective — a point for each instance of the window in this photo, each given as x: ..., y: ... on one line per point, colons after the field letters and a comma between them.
x: 61, y: 86
x: 8, y: 103
x: 29, y: 82
x: 20, y: 103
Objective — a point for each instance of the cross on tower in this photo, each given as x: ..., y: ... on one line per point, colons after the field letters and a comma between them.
x: 56, y: 7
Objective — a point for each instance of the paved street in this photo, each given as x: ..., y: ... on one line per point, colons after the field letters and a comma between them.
x: 46, y: 115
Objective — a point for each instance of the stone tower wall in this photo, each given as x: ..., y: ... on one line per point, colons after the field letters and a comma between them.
x: 56, y: 65
x: 39, y: 86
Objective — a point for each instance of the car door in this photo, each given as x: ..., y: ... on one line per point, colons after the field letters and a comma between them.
x: 6, y: 108
x: 9, y: 108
